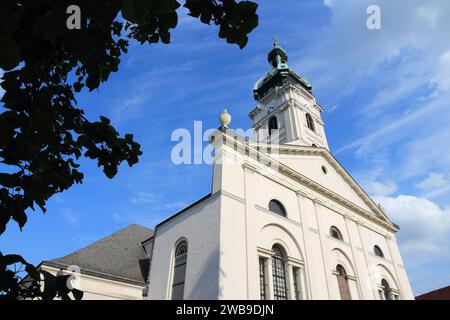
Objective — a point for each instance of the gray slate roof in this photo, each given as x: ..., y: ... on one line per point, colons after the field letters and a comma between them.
x: 118, y: 256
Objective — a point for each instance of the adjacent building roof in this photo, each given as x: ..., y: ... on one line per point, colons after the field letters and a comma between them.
x: 120, y: 256
x: 439, y: 294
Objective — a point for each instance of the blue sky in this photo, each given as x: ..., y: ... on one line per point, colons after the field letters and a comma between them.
x: 386, y: 95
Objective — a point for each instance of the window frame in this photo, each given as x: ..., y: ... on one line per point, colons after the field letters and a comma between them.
x: 179, y: 261
x: 339, y: 233
x: 378, y: 252
x: 387, y: 290
x: 280, y: 206
x: 310, y: 122
x: 272, y: 120
x: 342, y: 276
x: 279, y: 273
x: 297, y: 283
x: 263, y: 286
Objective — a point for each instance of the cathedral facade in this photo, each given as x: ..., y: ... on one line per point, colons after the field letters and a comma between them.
x: 284, y: 220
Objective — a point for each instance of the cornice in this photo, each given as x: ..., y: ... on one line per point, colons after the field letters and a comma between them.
x: 318, y: 188
x: 338, y: 167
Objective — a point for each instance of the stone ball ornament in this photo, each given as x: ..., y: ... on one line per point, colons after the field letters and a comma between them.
x: 225, y: 118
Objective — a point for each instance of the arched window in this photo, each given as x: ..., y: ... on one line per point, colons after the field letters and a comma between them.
x: 342, y: 279
x: 310, y: 122
x: 279, y: 273
x: 179, y: 271
x: 378, y: 252
x: 386, y: 290
x: 275, y: 206
x: 335, y: 233
x: 273, y: 125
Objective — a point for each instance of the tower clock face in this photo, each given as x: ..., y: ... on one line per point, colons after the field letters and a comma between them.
x: 270, y: 106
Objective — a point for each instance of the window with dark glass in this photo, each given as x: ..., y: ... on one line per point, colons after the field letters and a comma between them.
x: 310, y: 122
x: 275, y: 206
x: 386, y: 290
x: 342, y: 279
x: 262, y: 278
x: 378, y: 252
x: 273, y: 125
x: 335, y: 233
x: 179, y: 271
x: 297, y: 288
x: 279, y: 273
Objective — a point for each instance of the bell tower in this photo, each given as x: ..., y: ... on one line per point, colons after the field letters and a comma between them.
x: 287, y: 111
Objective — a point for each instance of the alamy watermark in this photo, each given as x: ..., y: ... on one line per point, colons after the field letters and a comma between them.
x: 209, y: 146
x: 373, y: 22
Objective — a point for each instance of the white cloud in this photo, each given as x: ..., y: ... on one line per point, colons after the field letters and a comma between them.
x: 71, y: 217
x: 83, y: 240
x: 176, y: 205
x: 433, y: 180
x: 380, y: 189
x: 441, y: 77
x: 144, y: 197
x: 148, y: 219
x: 328, y: 3
x: 425, y: 227
x: 404, y: 114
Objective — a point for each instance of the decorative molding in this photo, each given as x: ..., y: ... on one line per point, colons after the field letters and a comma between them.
x: 232, y: 196
x: 314, y: 230
x: 258, y: 207
x: 266, y: 253
x: 338, y: 241
x: 373, y: 255
x: 314, y: 189
x: 295, y: 262
x: 247, y: 166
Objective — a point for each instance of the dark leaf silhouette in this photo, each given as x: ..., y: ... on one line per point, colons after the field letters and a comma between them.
x: 43, y: 132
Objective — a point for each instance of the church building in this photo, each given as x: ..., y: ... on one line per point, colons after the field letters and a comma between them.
x: 284, y: 220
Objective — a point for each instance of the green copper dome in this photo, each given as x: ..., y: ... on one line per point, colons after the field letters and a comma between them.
x: 279, y: 74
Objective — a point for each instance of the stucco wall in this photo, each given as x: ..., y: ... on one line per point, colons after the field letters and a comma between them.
x: 199, y: 226
x: 247, y: 225
x: 228, y: 232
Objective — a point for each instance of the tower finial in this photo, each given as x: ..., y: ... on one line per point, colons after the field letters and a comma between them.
x: 275, y: 42
x: 224, y: 119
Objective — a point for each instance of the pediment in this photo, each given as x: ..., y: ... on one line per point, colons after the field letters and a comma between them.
x: 320, y: 167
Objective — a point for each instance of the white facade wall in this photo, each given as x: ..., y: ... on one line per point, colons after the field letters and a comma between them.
x: 228, y: 232
x: 247, y: 225
x: 199, y: 226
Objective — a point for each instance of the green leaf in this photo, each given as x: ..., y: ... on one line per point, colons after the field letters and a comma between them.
x: 8, y: 180
x: 54, y: 23
x: 105, y: 120
x: 134, y: 11
x: 21, y: 218
x: 10, y: 55
x: 92, y: 82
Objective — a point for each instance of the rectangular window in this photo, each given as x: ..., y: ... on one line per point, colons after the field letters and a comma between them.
x: 297, y: 286
x: 262, y: 278
x: 279, y: 278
